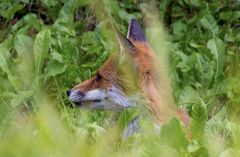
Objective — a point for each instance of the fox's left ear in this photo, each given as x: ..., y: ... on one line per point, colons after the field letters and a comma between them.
x: 127, y: 51
x: 125, y: 44
x: 135, y: 32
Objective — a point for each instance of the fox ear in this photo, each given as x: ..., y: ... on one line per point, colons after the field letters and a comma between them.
x: 135, y: 32
x: 125, y: 44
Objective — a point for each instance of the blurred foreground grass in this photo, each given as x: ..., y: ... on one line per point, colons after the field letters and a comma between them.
x: 46, y: 47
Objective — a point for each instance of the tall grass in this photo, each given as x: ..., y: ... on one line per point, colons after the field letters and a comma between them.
x: 46, y: 48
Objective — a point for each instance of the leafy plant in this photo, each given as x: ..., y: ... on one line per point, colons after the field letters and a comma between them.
x: 46, y: 47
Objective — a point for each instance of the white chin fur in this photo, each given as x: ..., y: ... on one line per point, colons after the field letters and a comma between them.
x: 105, y: 105
x: 96, y: 94
x: 118, y: 97
x: 107, y: 98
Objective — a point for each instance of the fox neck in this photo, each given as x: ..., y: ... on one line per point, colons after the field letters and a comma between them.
x: 157, y: 92
x: 155, y: 85
x: 160, y: 109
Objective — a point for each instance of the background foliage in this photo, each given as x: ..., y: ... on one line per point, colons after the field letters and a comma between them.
x: 46, y: 47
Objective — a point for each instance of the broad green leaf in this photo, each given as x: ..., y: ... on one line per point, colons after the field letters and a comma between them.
x: 24, y: 46
x: 184, y: 67
x: 6, y: 67
x: 50, y: 3
x: 42, y: 44
x: 237, y: 36
x: 57, y: 56
x: 65, y: 21
x: 184, y: 63
x: 32, y: 19
x: 205, y: 69
x: 199, y: 117
x: 8, y: 9
x: 187, y: 95
x: 54, y: 68
x: 209, y: 22
x: 179, y: 29
x: 3, y: 61
x: 230, y: 15
x: 199, y: 112
x: 229, y: 84
x: 8, y: 42
x: 29, y: 21
x: 87, y: 38
x: 217, y: 48
x: 24, y: 61
x: 221, y: 88
x: 171, y: 134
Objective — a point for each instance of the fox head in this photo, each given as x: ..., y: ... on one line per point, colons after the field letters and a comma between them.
x: 102, y: 91
x: 114, y: 82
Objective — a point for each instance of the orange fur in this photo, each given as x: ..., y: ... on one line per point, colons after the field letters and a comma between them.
x: 107, y: 71
x: 156, y: 91
x: 146, y: 61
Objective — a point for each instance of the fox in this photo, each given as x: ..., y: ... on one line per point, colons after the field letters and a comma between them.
x: 132, y: 70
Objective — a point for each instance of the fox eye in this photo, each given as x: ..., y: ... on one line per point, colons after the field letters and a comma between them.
x: 98, y: 77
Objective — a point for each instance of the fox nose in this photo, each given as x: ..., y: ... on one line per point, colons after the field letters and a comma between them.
x: 68, y: 92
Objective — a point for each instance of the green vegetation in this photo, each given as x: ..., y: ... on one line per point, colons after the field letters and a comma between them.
x: 46, y: 47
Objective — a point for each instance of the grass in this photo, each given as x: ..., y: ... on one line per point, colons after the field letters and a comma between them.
x: 46, y: 47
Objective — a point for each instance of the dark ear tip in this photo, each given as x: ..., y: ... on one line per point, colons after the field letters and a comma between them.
x: 133, y: 23
x: 135, y: 32
x: 133, y: 20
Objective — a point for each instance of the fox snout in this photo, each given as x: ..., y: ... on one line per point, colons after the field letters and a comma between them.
x: 81, y: 94
x: 112, y: 99
x: 75, y: 96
